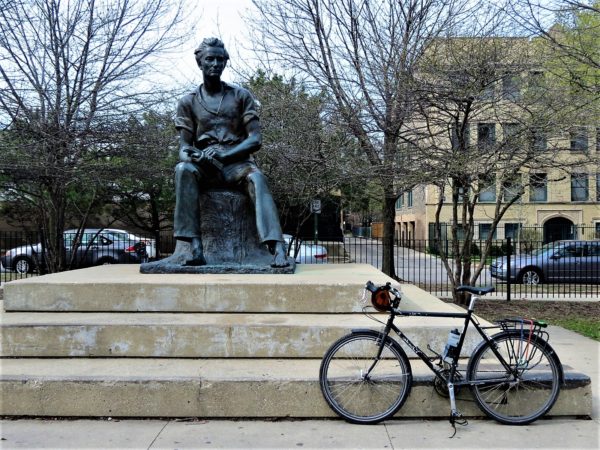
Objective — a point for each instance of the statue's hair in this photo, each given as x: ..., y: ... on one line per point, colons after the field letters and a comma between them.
x: 210, y: 42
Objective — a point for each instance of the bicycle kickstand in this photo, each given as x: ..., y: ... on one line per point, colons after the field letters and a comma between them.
x: 455, y: 416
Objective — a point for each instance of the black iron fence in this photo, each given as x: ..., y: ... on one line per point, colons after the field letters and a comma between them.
x: 24, y: 254
x: 517, y: 268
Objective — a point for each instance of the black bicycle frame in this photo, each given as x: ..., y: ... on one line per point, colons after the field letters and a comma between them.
x: 468, y: 317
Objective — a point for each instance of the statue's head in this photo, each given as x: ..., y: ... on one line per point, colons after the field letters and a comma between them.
x: 212, y: 57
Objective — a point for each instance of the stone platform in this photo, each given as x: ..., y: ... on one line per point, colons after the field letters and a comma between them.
x: 111, y: 341
x: 314, y: 288
x: 212, y: 388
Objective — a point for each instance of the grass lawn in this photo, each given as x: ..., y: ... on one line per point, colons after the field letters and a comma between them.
x: 582, y: 317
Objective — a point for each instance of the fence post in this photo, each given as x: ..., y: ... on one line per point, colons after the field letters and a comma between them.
x: 508, y: 255
x: 42, y: 258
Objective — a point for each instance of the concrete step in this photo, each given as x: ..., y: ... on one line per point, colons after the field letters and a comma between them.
x: 198, y: 335
x: 211, y: 388
x: 314, y: 288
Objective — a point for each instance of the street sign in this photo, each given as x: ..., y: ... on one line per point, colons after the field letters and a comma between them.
x: 315, y: 206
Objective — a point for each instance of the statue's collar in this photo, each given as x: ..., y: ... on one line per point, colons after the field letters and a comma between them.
x: 226, y: 87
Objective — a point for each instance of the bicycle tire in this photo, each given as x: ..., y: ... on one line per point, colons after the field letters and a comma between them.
x: 358, y: 399
x: 534, y: 391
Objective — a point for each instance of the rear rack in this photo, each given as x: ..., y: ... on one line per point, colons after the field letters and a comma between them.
x: 526, y: 327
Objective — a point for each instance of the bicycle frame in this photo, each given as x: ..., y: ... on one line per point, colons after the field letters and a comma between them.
x: 468, y: 318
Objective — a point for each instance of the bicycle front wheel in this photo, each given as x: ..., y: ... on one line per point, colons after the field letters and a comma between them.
x: 524, y: 391
x: 358, y: 385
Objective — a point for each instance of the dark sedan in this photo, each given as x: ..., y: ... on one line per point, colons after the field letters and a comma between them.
x: 559, y: 261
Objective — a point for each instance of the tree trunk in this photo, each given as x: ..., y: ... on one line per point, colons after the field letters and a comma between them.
x: 389, y: 216
x: 55, y: 245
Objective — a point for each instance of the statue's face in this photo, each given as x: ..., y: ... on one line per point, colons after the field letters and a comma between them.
x: 212, y: 62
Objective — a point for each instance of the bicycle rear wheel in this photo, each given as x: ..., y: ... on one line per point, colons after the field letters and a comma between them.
x: 360, y: 387
x: 525, y: 392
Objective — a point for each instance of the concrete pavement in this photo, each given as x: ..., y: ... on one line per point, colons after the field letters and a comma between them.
x: 574, y: 350
x: 156, y: 434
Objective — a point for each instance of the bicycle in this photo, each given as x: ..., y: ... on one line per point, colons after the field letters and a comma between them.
x: 514, y: 375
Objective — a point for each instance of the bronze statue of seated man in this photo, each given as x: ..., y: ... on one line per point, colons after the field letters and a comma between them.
x: 218, y: 133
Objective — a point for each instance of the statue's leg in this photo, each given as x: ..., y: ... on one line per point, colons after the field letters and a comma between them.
x: 267, y: 218
x: 187, y: 210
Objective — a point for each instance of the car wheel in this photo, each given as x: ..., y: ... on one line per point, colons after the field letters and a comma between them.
x: 23, y: 265
x: 530, y: 276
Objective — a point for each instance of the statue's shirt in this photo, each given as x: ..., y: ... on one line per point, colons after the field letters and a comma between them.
x: 222, y: 122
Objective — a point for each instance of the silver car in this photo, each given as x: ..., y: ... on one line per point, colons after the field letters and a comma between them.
x: 92, y: 247
x: 554, y: 262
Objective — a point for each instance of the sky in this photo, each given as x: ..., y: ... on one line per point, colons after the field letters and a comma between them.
x: 218, y: 18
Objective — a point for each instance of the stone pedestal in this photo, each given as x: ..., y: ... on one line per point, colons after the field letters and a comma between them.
x: 229, y: 238
x: 108, y: 341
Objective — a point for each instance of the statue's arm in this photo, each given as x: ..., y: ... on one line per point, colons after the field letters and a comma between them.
x: 186, y: 145
x: 245, y: 148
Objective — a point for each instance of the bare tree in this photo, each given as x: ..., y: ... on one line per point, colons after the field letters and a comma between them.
x: 302, y: 155
x: 484, y: 131
x: 67, y: 71
x: 364, y: 54
x: 143, y: 192
x: 570, y: 30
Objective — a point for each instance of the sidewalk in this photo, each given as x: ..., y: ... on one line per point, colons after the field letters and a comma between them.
x: 574, y: 350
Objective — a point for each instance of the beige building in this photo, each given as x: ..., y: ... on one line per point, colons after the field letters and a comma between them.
x: 561, y: 203
x: 560, y: 175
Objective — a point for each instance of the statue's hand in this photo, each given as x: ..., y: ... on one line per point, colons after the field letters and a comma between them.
x: 190, y: 154
x: 197, y: 157
x: 211, y: 153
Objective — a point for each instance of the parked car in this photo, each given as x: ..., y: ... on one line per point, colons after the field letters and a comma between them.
x: 90, y: 248
x: 554, y: 262
x: 130, y: 237
x: 307, y: 253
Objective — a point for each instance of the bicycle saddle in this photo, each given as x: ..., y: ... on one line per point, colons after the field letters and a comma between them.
x: 477, y: 290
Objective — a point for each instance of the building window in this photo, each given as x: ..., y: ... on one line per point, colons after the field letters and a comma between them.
x: 538, y: 187
x: 456, y: 136
x: 462, y: 191
x: 484, y: 231
x: 512, y: 230
x: 539, y: 141
x: 511, y: 87
x: 400, y: 202
x: 409, y: 198
x: 510, y: 130
x: 579, y: 139
x: 511, y: 134
x: 598, y: 187
x: 579, y: 187
x: 511, y: 189
x: 460, y: 232
x: 486, y: 135
x: 487, y: 188
x: 597, y: 230
x: 443, y: 231
x: 488, y: 92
